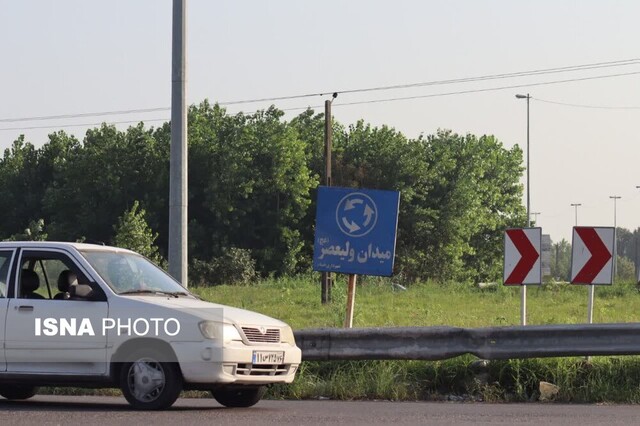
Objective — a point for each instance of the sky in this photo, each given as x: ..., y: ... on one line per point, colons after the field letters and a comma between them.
x: 76, y: 56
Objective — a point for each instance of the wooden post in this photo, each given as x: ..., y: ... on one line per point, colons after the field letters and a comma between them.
x: 351, y: 299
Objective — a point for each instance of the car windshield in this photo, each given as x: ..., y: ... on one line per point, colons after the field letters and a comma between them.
x: 129, y: 273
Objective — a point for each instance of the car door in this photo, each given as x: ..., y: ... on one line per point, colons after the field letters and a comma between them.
x: 6, y: 259
x: 48, y: 335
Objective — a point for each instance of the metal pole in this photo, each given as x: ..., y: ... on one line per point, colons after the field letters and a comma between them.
x: 523, y: 289
x: 575, y: 206
x: 557, y: 260
x: 590, y: 304
x: 615, y: 198
x: 637, y: 269
x: 178, y: 160
x: 535, y: 217
x: 326, y: 278
x: 528, y: 169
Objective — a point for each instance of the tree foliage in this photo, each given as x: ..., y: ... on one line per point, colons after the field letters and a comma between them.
x: 561, y: 260
x: 33, y: 232
x: 252, y: 188
x: 132, y: 232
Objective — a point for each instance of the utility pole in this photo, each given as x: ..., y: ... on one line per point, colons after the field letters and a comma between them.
x: 178, y: 161
x: 326, y: 277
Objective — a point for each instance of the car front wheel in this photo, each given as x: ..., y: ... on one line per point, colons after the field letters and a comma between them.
x: 239, y: 396
x: 149, y: 384
x: 18, y: 392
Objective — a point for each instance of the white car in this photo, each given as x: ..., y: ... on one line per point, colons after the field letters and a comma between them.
x: 88, y: 315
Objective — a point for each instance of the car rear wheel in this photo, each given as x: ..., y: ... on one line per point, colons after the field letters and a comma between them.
x: 149, y: 384
x: 17, y: 392
x: 239, y: 396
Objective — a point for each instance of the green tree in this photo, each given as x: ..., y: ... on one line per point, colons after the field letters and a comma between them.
x: 20, y: 187
x: 626, y: 270
x: 100, y: 178
x: 252, y: 182
x: 34, y: 232
x: 250, y: 186
x: 561, y: 260
x: 132, y: 232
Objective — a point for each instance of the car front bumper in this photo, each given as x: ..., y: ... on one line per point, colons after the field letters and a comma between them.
x: 205, y: 362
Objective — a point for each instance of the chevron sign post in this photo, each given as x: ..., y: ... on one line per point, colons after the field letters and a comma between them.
x: 591, y: 255
x: 522, y: 263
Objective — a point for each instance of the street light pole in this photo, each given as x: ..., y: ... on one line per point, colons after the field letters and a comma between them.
x: 535, y: 217
x: 576, y: 205
x: 635, y: 261
x: 590, y: 297
x: 523, y: 290
x: 615, y: 198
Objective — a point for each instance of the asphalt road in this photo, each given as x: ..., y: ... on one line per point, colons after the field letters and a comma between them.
x: 58, y: 410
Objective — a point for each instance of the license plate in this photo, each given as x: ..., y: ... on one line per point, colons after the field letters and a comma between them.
x: 264, y: 357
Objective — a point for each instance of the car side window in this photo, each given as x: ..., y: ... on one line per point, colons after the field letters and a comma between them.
x: 47, y: 276
x: 5, y: 262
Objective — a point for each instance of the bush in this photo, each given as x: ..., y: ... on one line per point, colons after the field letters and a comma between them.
x: 626, y: 270
x: 235, y: 266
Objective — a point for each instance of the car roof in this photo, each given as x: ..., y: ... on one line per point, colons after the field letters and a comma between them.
x: 60, y: 245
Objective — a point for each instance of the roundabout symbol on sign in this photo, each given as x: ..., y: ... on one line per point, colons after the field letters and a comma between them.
x: 356, y: 214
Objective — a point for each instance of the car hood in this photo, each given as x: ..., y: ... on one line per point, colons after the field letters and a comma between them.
x: 208, y: 310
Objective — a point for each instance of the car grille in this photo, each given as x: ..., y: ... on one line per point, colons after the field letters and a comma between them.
x: 254, y: 335
x: 262, y: 370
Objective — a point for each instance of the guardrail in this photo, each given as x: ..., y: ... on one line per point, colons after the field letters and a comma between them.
x: 435, y: 343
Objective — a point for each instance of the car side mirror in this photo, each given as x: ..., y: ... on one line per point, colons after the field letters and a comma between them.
x: 80, y: 291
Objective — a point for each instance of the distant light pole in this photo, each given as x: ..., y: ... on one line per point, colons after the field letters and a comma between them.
x: 528, y: 98
x: 576, y: 205
x: 636, y: 257
x: 615, y: 198
x: 523, y: 291
x: 535, y: 217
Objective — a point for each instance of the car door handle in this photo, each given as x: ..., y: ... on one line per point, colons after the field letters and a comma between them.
x: 25, y: 308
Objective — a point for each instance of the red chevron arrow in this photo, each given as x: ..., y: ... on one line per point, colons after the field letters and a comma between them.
x: 529, y: 256
x: 600, y: 255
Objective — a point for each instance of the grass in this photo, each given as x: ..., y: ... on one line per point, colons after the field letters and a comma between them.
x: 297, y: 301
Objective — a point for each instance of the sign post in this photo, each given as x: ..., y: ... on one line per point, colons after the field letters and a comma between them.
x: 592, y: 259
x: 355, y: 234
x: 522, y: 261
x: 351, y: 300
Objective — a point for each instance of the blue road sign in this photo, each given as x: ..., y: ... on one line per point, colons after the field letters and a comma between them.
x: 356, y: 231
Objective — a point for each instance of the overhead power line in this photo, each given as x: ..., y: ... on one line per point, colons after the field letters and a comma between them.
x: 85, y: 124
x: 573, y: 68
x: 462, y: 92
x: 586, y: 106
x: 519, y: 74
x: 85, y: 114
x: 372, y: 101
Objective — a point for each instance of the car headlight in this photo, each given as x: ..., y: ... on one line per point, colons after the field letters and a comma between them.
x: 286, y: 336
x: 218, y: 331
x: 230, y: 332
